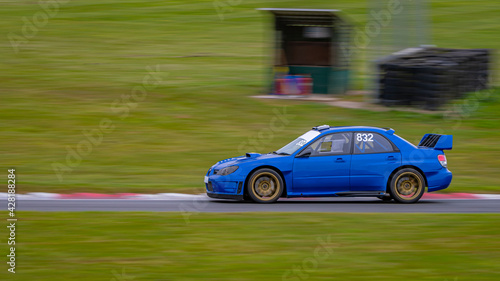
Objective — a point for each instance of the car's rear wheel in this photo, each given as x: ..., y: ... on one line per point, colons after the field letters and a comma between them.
x: 265, y: 186
x: 407, y: 186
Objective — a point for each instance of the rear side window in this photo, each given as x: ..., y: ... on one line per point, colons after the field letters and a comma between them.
x: 333, y: 144
x: 369, y: 142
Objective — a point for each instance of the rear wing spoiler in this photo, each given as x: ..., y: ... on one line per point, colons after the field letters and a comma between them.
x: 438, y: 142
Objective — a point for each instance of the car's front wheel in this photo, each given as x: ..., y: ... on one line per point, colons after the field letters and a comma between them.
x: 265, y: 186
x: 407, y: 186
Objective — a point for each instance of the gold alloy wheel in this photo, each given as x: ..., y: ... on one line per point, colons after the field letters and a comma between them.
x: 265, y: 186
x: 408, y: 185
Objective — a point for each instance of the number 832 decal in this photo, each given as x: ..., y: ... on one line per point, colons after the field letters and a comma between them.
x: 364, y: 137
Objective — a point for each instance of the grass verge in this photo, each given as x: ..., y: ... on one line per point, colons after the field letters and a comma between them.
x: 256, y: 246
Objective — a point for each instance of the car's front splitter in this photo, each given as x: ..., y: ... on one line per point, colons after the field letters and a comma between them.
x: 225, y: 196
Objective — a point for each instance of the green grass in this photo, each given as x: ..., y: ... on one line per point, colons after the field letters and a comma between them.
x: 64, y: 80
x: 256, y: 246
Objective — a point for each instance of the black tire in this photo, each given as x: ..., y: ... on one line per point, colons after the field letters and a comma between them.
x: 407, y: 186
x: 265, y: 186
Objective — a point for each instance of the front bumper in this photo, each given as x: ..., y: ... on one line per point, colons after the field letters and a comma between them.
x: 225, y: 187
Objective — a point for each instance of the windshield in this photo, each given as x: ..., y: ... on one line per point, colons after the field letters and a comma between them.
x: 298, y: 143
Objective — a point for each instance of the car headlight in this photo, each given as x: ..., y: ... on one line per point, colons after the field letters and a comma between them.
x: 226, y: 171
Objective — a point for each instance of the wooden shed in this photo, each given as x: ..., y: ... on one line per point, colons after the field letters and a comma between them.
x: 311, y: 43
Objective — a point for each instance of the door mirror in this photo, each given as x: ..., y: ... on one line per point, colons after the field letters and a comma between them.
x: 306, y: 152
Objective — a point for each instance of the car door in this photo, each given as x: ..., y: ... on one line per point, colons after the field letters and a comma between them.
x: 326, y: 170
x: 374, y: 158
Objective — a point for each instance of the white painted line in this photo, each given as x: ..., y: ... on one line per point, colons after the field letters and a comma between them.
x: 489, y: 196
x: 169, y: 196
x: 32, y: 196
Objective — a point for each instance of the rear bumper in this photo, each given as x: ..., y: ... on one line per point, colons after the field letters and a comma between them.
x: 439, y: 181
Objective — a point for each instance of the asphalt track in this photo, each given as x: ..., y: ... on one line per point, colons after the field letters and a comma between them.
x: 330, y: 205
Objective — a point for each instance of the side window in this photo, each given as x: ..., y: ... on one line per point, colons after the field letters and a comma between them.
x: 339, y: 143
x: 368, y: 142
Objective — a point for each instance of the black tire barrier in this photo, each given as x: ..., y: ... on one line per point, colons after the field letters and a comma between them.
x: 433, y: 76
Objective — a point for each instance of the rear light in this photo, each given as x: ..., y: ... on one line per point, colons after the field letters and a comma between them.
x: 442, y: 160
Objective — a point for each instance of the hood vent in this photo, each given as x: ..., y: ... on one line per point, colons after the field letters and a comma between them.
x: 252, y: 155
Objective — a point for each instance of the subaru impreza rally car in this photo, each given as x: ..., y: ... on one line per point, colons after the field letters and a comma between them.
x: 337, y: 161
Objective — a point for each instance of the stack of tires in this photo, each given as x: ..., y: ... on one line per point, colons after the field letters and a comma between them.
x: 431, y: 77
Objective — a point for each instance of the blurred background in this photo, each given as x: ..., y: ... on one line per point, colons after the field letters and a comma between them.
x: 144, y: 96
x: 67, y: 66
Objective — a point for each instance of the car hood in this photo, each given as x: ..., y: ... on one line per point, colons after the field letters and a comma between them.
x: 247, y: 158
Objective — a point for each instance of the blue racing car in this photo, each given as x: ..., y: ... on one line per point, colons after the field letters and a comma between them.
x: 337, y: 161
